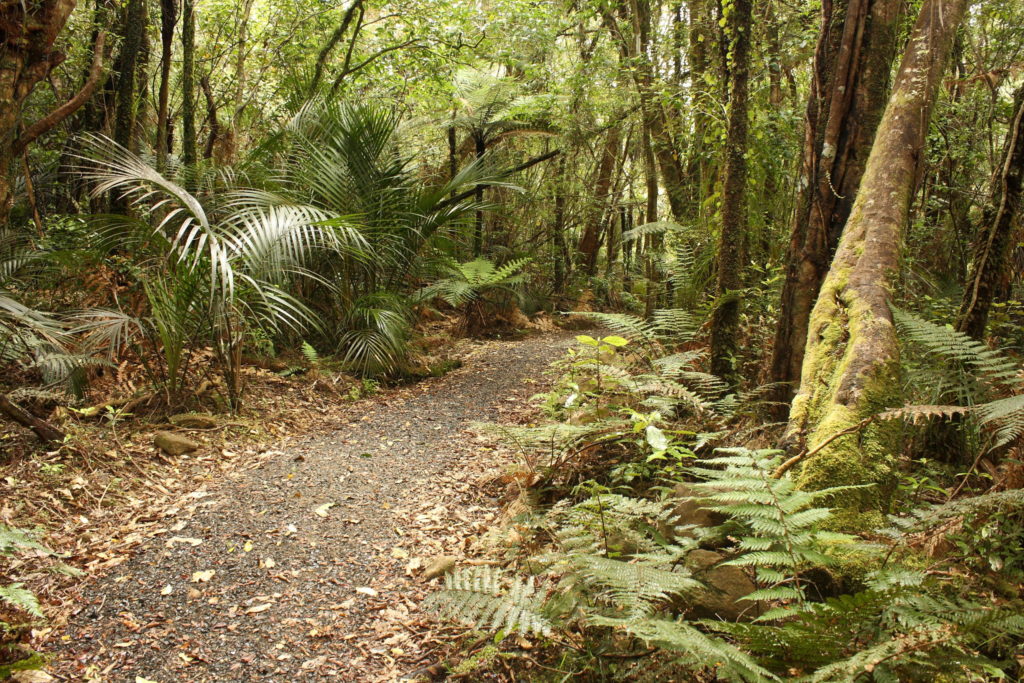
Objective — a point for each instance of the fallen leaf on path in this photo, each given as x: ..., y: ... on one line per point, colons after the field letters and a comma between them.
x: 321, y: 511
x: 203, y: 577
x: 259, y: 608
x: 166, y: 590
x: 183, y: 539
x: 366, y: 590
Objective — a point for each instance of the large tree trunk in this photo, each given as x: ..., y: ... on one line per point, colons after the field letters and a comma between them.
x: 27, y: 55
x: 725, y: 321
x: 992, y: 246
x: 848, y: 94
x: 851, y: 365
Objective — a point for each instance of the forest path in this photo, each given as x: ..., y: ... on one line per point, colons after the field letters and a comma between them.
x: 307, y: 566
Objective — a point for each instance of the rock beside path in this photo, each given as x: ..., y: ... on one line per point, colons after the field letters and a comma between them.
x: 174, y: 444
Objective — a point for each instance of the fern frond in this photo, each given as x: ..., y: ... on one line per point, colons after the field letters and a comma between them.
x: 636, y: 588
x: 700, y: 649
x: 489, y: 600
x: 15, y: 594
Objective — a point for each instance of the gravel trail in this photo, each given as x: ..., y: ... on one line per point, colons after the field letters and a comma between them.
x: 306, y: 567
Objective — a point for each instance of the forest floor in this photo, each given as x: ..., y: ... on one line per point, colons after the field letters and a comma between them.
x: 309, y: 563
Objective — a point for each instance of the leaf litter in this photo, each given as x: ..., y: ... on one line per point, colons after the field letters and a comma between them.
x: 330, y: 596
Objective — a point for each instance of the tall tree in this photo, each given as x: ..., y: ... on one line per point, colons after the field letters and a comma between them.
x: 851, y: 365
x: 168, y: 20
x: 28, y: 33
x: 133, y: 36
x: 849, y: 87
x: 725, y: 321
x: 188, y: 81
x: 992, y: 246
x: 590, y: 242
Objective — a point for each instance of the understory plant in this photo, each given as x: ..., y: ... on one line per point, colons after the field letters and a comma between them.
x: 613, y: 572
x: 478, y: 290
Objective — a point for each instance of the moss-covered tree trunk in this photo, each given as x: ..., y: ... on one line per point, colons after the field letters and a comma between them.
x: 188, y: 82
x: 851, y: 364
x: 849, y: 89
x: 725, y: 321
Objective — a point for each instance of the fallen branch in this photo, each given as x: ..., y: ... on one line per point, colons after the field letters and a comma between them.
x: 789, y: 464
x: 46, y: 432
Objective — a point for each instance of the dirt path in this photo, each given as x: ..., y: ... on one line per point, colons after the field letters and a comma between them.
x: 306, y: 567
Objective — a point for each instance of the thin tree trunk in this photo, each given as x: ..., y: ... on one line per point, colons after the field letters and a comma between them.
x: 211, y: 117
x: 651, y: 245
x: 561, y: 255
x: 725, y: 321
x: 133, y: 37
x: 992, y: 247
x: 188, y: 82
x: 851, y: 364
x: 849, y: 86
x: 239, y: 96
x: 701, y: 49
x: 168, y: 19
x: 478, y: 230
x: 591, y: 239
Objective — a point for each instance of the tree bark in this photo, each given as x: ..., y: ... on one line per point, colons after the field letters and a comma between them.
x: 992, y: 247
x: 849, y: 86
x: 214, y: 123
x: 133, y: 35
x: 168, y: 19
x: 188, y: 82
x: 27, y: 33
x: 725, y: 320
x: 561, y: 249
x: 851, y: 364
x: 591, y: 239
x: 480, y: 143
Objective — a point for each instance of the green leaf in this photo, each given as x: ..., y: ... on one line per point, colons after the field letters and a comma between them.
x: 584, y: 339
x: 656, y: 438
x: 615, y: 340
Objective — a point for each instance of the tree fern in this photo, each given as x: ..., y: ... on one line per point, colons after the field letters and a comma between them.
x: 487, y: 599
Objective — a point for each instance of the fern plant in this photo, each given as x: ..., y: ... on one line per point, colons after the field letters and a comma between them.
x: 781, y: 535
x: 476, y: 288
x: 956, y: 369
x: 15, y: 541
x: 488, y: 599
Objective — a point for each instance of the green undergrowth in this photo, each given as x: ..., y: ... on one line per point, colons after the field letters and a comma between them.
x: 640, y: 545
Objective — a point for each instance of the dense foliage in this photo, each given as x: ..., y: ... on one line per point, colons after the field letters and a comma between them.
x: 810, y: 337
